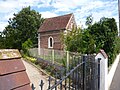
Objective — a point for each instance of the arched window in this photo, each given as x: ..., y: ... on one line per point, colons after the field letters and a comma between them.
x: 50, y: 42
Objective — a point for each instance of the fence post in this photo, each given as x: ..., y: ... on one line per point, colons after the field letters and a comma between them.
x: 53, y: 56
x: 41, y: 84
x: 39, y: 48
x: 99, y: 73
x: 84, y: 72
x: 67, y: 60
x: 43, y: 54
x: 49, y: 80
x: 32, y: 86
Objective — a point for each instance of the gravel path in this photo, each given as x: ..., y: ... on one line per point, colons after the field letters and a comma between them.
x: 35, y: 76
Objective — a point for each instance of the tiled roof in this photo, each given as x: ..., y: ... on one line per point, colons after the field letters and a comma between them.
x: 55, y: 23
x: 103, y: 53
x: 13, y: 74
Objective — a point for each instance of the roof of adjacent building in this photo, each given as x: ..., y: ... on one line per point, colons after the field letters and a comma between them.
x: 9, y: 53
x: 55, y: 23
x: 12, y: 71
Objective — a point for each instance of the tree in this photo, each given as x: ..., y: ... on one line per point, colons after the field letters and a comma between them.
x: 89, y: 41
x: 73, y: 40
x: 117, y: 45
x: 105, y: 33
x: 100, y: 35
x: 26, y: 46
x: 79, y: 40
x: 22, y: 26
x: 2, y: 40
x: 89, y: 20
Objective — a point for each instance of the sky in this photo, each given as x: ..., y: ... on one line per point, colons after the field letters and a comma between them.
x: 52, y: 8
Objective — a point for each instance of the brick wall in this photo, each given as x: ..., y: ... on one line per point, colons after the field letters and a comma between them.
x: 56, y: 37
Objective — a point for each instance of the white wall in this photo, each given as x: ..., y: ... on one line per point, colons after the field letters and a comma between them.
x: 105, y: 76
x: 112, y: 70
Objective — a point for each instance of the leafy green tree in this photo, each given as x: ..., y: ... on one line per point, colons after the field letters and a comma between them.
x: 72, y: 41
x: 22, y: 26
x: 2, y: 40
x: 116, y: 49
x: 27, y: 45
x: 89, y: 42
x: 117, y: 45
x: 89, y: 20
x: 104, y: 33
x: 100, y: 35
x: 79, y: 40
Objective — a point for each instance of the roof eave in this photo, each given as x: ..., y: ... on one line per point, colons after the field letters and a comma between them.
x: 51, y: 30
x: 69, y: 21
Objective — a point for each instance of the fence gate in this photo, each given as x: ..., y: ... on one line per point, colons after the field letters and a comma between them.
x: 83, y: 74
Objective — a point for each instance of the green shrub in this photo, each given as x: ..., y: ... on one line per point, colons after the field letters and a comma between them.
x: 26, y: 45
x: 31, y: 59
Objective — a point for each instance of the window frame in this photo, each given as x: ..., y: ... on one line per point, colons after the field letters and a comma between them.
x: 50, y: 43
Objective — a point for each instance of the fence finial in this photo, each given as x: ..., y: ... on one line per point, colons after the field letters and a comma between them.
x: 32, y: 86
x: 41, y: 84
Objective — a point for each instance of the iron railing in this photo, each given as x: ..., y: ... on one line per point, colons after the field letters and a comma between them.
x: 83, y: 74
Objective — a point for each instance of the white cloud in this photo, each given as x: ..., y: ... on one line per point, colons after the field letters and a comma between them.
x: 48, y: 14
x: 98, y: 9
x: 9, y: 7
x: 62, y: 5
x: 12, y: 5
x: 81, y: 8
x: 3, y: 25
x: 10, y: 15
x: 24, y: 3
x: 44, y: 3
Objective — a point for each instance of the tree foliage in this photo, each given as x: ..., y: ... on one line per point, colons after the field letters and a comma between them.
x: 22, y: 26
x: 79, y: 40
x: 2, y: 40
x: 104, y: 33
x: 117, y: 45
x: 89, y: 20
x: 26, y: 46
x: 100, y: 35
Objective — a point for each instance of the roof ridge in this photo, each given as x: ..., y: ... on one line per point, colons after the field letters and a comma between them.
x: 60, y: 16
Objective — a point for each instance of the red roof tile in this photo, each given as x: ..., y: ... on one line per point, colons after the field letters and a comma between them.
x: 14, y: 80
x: 12, y: 71
x: 103, y: 53
x: 55, y: 23
x: 11, y: 66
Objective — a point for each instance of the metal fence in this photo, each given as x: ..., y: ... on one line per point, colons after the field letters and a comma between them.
x: 55, y: 56
x: 83, y: 74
